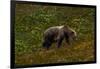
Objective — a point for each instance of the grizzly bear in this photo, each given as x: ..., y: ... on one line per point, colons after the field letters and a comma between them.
x: 58, y: 34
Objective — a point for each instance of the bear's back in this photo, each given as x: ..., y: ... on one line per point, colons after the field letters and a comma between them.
x: 53, y: 31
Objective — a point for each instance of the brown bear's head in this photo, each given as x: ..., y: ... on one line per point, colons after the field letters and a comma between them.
x: 70, y: 33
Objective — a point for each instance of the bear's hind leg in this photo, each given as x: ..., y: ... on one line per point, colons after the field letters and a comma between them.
x: 47, y: 44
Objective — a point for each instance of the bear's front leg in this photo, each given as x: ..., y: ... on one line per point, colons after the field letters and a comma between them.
x: 59, y: 42
x: 68, y: 41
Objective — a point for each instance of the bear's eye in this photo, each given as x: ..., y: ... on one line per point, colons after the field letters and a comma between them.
x: 72, y: 32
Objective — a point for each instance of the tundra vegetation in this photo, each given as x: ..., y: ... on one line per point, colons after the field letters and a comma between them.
x: 32, y: 20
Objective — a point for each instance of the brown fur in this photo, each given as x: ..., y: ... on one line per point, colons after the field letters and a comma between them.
x: 57, y: 34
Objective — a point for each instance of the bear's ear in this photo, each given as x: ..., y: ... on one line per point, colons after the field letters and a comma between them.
x: 65, y: 26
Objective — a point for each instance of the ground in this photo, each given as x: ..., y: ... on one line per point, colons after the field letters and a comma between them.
x: 32, y: 20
